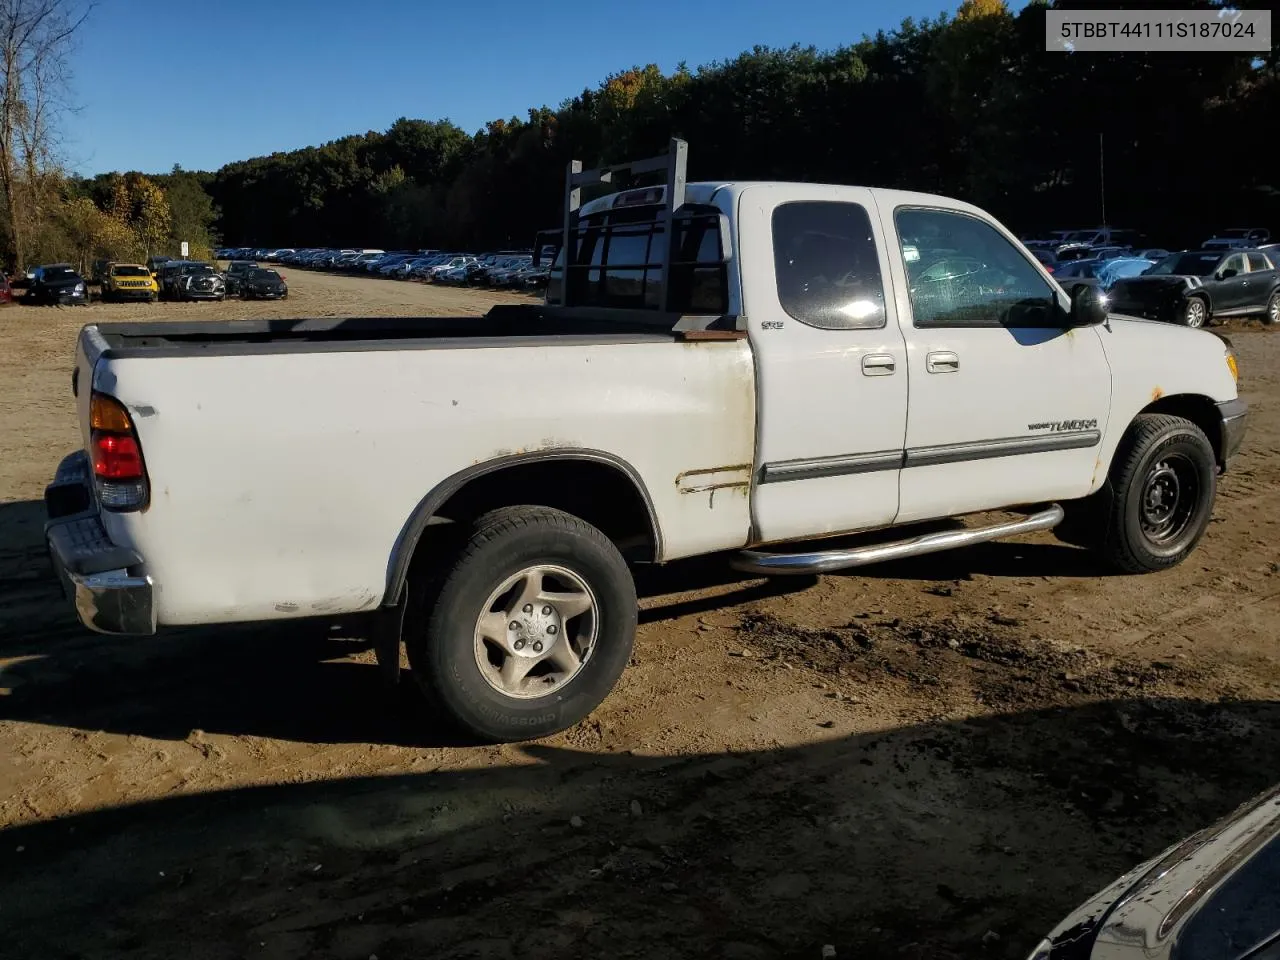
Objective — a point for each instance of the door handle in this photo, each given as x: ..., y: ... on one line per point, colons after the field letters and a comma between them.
x: 878, y: 365
x: 941, y: 361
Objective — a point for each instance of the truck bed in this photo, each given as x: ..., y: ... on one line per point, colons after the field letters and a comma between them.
x: 503, y: 325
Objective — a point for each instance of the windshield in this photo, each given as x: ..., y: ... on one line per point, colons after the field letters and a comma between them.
x: 1233, y: 234
x: 58, y: 273
x: 267, y: 275
x: 199, y: 271
x: 129, y: 271
x: 1186, y: 264
x: 1080, y: 236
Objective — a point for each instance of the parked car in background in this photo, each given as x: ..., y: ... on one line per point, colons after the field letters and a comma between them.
x: 1111, y: 252
x: 155, y: 263
x: 1213, y: 896
x: 1152, y: 253
x: 513, y: 275
x: 1049, y: 241
x: 56, y: 284
x: 6, y: 289
x: 164, y: 274
x: 236, y: 271
x: 1121, y: 268
x: 1194, y: 287
x: 1099, y: 237
x: 1075, y: 274
x: 1238, y: 238
x: 1046, y: 257
x: 191, y: 280
x: 263, y: 284
x: 98, y: 271
x: 1272, y: 252
x: 440, y: 269
x: 1078, y: 251
x: 535, y: 277
x: 129, y: 281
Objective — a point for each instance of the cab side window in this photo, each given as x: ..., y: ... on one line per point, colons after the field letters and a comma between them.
x: 1234, y: 262
x: 962, y: 272
x: 1258, y: 262
x: 826, y: 265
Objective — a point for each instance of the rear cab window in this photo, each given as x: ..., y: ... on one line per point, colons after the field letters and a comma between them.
x: 618, y: 261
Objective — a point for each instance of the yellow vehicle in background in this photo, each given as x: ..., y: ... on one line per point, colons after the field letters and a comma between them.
x: 129, y: 281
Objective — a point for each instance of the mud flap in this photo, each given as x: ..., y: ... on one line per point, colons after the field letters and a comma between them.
x: 387, y: 627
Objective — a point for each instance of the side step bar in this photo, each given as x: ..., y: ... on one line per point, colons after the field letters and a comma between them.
x: 770, y: 564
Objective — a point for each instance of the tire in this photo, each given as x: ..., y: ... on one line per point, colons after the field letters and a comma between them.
x: 510, y: 554
x: 1165, y: 467
x: 1271, y: 316
x: 1195, y: 313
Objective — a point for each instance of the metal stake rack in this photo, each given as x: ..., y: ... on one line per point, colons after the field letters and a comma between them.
x: 674, y: 162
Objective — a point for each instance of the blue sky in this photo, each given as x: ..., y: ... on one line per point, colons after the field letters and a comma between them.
x: 204, y: 84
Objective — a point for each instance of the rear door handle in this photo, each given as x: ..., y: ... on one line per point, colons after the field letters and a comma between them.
x: 878, y: 365
x: 941, y: 361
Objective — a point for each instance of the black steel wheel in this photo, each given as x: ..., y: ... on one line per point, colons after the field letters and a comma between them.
x: 1164, y: 480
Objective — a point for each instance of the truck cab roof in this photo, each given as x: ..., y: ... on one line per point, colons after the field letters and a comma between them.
x: 707, y: 192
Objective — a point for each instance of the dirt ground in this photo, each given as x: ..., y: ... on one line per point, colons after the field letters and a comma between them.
x: 932, y: 759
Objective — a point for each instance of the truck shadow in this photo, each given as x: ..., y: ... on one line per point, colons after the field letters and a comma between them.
x: 942, y: 840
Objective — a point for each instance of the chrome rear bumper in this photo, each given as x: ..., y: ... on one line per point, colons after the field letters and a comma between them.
x: 106, y: 583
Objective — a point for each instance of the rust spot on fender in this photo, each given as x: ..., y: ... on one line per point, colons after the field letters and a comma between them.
x: 703, y: 471
x: 708, y: 479
x: 1156, y: 394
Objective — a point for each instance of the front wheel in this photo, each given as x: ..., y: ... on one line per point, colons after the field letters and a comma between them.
x: 1195, y: 313
x: 1271, y: 316
x: 528, y: 630
x: 1165, y: 480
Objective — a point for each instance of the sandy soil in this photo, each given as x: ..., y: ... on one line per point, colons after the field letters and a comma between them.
x: 931, y: 759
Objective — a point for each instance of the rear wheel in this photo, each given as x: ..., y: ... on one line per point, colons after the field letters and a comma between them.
x: 528, y: 630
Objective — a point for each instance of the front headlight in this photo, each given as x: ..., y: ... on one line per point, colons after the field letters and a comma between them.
x: 79, y: 288
x: 1042, y: 952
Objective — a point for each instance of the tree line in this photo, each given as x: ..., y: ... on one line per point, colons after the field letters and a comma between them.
x: 970, y: 105
x: 48, y: 214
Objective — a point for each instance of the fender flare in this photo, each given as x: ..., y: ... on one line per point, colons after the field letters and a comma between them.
x: 407, y: 542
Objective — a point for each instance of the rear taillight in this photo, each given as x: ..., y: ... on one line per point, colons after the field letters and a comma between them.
x: 120, y: 474
x: 116, y: 457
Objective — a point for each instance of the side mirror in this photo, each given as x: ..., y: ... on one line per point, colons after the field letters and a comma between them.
x: 1226, y: 274
x: 1088, y: 307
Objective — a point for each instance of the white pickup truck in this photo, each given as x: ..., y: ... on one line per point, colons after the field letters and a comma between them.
x: 805, y: 361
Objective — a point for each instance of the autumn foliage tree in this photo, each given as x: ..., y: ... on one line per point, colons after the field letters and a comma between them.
x: 970, y: 106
